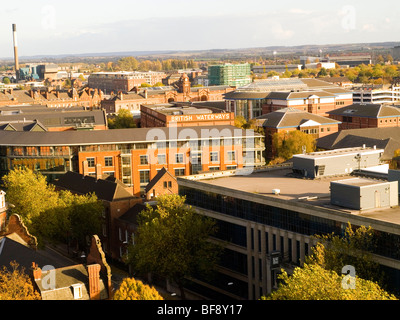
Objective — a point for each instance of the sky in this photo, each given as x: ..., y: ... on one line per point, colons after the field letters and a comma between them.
x: 69, y: 27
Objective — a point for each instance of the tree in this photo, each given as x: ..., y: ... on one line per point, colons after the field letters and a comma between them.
x: 123, y: 119
x: 173, y: 242
x: 313, y: 282
x: 290, y: 143
x: 322, y: 72
x: 132, y: 289
x: 29, y: 193
x: 128, y: 64
x: 353, y: 248
x: 16, y: 285
x: 6, y: 80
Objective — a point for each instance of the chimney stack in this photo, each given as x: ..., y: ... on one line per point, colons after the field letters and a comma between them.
x: 14, y: 28
x: 37, y: 272
x: 94, y: 281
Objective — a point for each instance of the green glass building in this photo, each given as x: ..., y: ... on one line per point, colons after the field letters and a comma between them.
x: 229, y: 74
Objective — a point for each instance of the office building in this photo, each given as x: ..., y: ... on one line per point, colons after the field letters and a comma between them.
x: 267, y: 220
x: 236, y: 75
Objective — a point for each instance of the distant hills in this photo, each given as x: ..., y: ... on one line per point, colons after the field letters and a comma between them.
x: 216, y: 53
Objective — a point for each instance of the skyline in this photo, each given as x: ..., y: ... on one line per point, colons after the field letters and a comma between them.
x: 46, y: 28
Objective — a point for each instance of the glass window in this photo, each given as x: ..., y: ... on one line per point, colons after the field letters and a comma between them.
x: 162, y: 159
x: 179, y: 158
x: 231, y: 156
x: 144, y: 176
x: 91, y: 162
x: 179, y: 172
x: 108, y: 161
x: 144, y: 159
x: 214, y: 156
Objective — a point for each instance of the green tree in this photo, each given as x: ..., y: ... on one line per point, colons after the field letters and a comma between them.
x: 30, y: 194
x: 173, y: 242
x: 287, y: 144
x: 354, y: 248
x: 122, y: 120
x: 132, y: 289
x: 6, y: 80
x: 322, y: 72
x: 313, y: 282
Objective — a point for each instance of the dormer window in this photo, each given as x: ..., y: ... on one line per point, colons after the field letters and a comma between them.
x: 77, y: 290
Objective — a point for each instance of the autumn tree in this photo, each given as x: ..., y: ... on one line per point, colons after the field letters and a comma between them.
x: 122, y: 120
x: 132, y: 289
x: 30, y: 194
x: 353, y: 248
x: 287, y: 144
x: 313, y: 282
x: 173, y: 242
x: 15, y: 284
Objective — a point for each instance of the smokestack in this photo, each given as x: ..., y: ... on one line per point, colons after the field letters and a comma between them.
x: 14, y: 28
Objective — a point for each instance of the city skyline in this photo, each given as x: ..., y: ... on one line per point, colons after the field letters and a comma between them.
x: 46, y: 28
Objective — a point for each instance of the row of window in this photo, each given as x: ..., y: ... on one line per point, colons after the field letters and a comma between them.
x: 161, y: 159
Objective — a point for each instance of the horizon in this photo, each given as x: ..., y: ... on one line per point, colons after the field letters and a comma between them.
x: 84, y: 28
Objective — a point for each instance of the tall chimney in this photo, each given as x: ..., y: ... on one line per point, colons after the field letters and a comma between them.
x: 14, y: 28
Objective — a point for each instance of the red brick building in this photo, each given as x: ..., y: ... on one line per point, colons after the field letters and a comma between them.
x: 183, y: 92
x: 89, y: 98
x: 357, y: 116
x: 290, y: 119
x: 183, y: 115
x: 163, y: 183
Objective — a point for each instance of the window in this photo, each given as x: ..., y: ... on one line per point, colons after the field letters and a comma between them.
x: 214, y: 156
x: 179, y: 158
x: 108, y: 161
x: 90, y: 162
x: 213, y: 168
x: 144, y: 176
x: 231, y: 156
x: 165, y: 184
x: 77, y: 288
x: 179, y: 172
x: 162, y: 159
x: 144, y: 160
x: 169, y: 184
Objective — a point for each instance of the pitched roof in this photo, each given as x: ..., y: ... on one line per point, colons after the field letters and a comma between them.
x: 370, y: 110
x: 104, y: 189
x: 161, y: 173
x: 115, y: 136
x: 385, y: 138
x: 291, y: 117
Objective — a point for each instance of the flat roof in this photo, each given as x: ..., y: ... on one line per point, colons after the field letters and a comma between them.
x: 338, y: 152
x: 293, y: 189
x: 360, y: 182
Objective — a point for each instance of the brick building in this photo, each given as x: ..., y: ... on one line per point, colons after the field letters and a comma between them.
x: 41, y: 118
x: 357, y: 116
x: 3, y: 210
x: 290, y: 119
x: 310, y: 95
x: 163, y: 183
x: 133, y: 156
x: 89, y: 98
x: 183, y: 92
x: 123, y: 80
x: 184, y: 115
x: 115, y: 196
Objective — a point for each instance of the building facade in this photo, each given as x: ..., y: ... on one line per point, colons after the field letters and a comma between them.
x: 183, y: 115
x: 133, y: 156
x: 255, y: 226
x: 229, y: 74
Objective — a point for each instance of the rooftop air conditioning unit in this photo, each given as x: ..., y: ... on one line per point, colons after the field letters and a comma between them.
x: 276, y: 191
